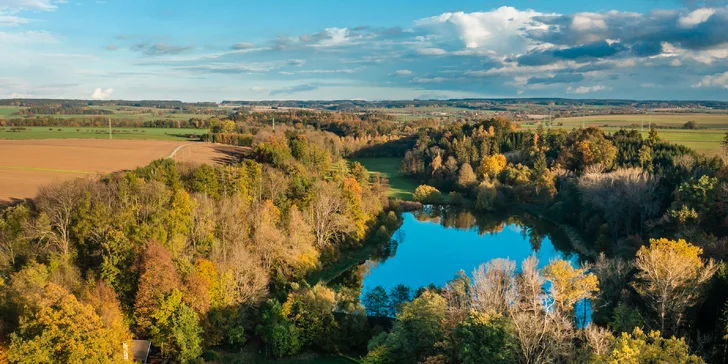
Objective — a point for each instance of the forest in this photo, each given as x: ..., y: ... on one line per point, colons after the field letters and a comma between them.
x: 206, y: 259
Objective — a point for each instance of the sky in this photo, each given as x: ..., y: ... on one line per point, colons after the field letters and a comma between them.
x: 374, y: 50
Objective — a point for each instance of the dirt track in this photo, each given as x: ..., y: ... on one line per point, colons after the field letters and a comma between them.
x: 27, y: 164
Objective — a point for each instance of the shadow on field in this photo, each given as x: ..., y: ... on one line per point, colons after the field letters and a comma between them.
x: 230, y: 154
x: 10, y: 202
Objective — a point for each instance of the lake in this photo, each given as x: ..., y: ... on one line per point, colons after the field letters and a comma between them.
x: 435, y: 243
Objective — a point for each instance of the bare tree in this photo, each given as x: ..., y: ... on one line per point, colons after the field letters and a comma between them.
x: 59, y: 202
x: 494, y: 285
x: 598, y: 339
x: 328, y: 215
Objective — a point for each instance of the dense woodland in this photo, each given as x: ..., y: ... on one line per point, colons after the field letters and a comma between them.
x: 203, y: 260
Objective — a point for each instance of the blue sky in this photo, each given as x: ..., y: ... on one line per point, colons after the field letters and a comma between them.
x: 285, y: 49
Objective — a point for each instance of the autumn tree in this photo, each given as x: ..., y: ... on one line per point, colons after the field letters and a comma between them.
x: 427, y: 194
x: 491, y: 166
x: 639, y: 347
x: 61, y: 329
x: 157, y: 277
x: 466, y: 176
x: 569, y: 285
x: 671, y: 276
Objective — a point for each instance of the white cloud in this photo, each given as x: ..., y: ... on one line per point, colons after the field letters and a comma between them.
x: 100, y: 94
x: 431, y: 51
x: 676, y: 63
x: 401, y: 73
x: 11, y: 21
x: 259, y: 89
x: 695, y: 17
x: 19, y: 5
x: 716, y: 80
x: 501, y: 30
x: 588, y: 21
x: 512, y: 68
x: 587, y: 89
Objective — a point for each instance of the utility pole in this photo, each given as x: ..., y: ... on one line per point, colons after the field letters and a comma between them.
x: 274, y: 125
x: 109, y: 128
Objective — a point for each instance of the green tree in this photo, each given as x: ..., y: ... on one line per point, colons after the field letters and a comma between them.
x: 280, y: 336
x: 376, y: 301
x: 485, y: 338
x: 174, y: 328
x: 414, y: 335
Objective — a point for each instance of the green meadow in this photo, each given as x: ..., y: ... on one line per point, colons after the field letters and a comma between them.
x: 44, y: 132
x: 401, y: 187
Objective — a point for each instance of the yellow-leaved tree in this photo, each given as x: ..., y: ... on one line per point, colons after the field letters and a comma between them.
x: 670, y: 278
x: 491, y: 166
x: 569, y: 285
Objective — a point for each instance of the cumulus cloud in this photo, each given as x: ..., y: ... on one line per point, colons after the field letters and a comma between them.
x: 695, y: 17
x: 716, y: 80
x: 101, y: 94
x: 586, y: 89
x: 293, y: 90
x: 500, y: 30
x: 159, y: 49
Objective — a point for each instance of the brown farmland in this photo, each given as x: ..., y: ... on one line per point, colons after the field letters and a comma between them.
x: 27, y: 164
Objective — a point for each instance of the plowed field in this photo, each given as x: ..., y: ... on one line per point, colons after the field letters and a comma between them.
x: 27, y: 164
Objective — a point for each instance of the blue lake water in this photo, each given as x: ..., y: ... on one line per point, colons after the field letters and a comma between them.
x: 434, y: 244
x: 432, y: 253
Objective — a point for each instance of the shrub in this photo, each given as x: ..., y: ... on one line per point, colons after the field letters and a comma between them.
x: 427, y: 194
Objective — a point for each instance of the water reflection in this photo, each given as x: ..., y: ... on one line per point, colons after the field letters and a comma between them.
x: 435, y: 243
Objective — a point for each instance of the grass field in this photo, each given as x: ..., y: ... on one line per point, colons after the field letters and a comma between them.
x: 120, y: 112
x: 38, y: 132
x: 673, y: 120
x: 402, y: 187
x: 7, y: 110
x: 704, y: 140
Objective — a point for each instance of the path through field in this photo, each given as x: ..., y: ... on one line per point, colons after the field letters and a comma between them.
x: 26, y: 165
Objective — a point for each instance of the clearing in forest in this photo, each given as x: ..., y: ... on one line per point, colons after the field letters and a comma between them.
x: 401, y: 186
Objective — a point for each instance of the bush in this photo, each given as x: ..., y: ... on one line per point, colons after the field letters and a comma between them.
x: 427, y: 194
x: 691, y: 125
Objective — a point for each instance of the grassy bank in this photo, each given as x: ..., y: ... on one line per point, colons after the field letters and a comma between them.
x: 402, y: 187
x: 354, y: 256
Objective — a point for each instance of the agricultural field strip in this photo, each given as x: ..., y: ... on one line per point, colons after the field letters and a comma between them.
x: 41, y: 169
x: 45, y: 169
